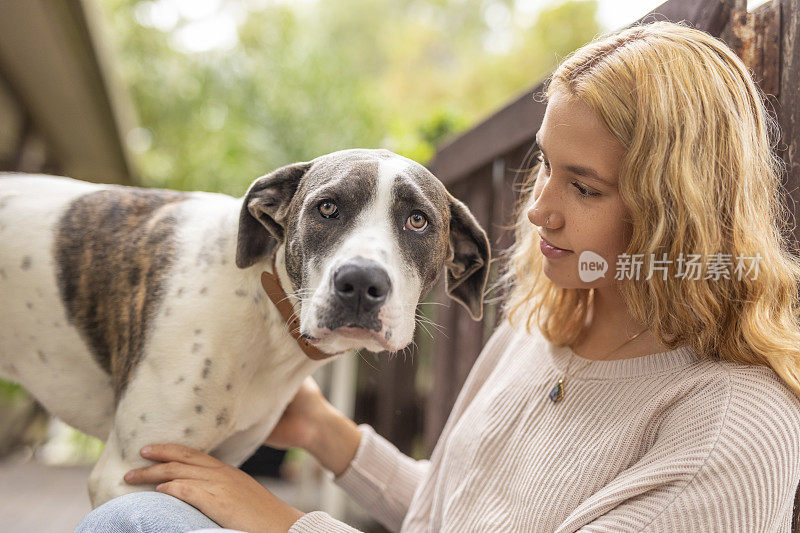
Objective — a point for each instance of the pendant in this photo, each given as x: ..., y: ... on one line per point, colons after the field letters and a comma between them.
x: 558, y: 391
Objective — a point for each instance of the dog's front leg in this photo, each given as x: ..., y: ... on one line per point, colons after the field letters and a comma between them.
x: 106, y: 480
x: 119, y: 456
x: 145, y: 416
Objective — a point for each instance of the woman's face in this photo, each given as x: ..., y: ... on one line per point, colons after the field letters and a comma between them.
x: 585, y: 212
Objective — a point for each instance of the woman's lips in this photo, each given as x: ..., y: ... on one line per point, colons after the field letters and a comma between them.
x: 552, y: 251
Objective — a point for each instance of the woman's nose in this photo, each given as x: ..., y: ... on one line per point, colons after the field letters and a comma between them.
x: 532, y: 216
x: 540, y: 217
x: 544, y: 208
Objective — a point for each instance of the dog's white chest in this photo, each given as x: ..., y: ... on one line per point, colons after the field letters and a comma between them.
x: 219, y: 354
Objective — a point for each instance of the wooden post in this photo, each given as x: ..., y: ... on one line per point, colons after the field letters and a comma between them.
x: 789, y: 120
x: 443, y: 368
x: 788, y: 111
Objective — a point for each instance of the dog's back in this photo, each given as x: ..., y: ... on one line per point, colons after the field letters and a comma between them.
x: 35, y: 336
x: 63, y: 321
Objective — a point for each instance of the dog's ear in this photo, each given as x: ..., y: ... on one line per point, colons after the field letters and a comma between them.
x: 264, y: 207
x: 468, y: 260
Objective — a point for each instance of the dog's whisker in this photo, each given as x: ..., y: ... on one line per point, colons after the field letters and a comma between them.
x: 430, y: 322
x: 403, y: 351
x: 426, y: 317
x: 430, y: 333
x: 412, y: 348
x: 365, y: 359
x: 284, y: 299
x: 440, y: 330
x: 303, y: 292
x: 425, y: 329
x: 422, y: 324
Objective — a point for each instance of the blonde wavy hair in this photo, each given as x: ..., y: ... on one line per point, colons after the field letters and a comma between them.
x: 699, y: 177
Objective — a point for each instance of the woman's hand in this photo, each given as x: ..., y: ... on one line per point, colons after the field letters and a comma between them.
x: 299, y: 426
x: 312, y: 423
x: 222, y: 492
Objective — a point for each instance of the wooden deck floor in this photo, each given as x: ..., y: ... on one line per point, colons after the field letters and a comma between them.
x: 38, y: 498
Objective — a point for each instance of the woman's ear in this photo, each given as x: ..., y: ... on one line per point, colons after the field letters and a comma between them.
x: 263, y: 213
x: 468, y: 260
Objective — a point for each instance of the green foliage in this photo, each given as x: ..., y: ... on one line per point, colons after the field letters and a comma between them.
x: 10, y: 391
x: 309, y: 78
x: 85, y: 447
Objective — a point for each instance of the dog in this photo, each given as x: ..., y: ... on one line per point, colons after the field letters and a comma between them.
x: 138, y: 315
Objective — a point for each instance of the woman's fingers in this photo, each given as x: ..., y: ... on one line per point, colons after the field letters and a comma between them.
x: 163, y: 472
x: 173, y: 461
x: 192, y: 491
x: 178, y: 452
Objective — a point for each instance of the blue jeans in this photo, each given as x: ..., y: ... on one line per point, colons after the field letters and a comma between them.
x: 146, y: 512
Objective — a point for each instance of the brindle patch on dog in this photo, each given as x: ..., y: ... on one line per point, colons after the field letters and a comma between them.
x: 113, y: 249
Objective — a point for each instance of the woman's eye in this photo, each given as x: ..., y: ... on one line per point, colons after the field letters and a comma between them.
x: 581, y: 190
x: 585, y: 192
x: 328, y: 209
x: 416, y: 222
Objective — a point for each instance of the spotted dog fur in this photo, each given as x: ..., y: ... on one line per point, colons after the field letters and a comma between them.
x: 138, y: 316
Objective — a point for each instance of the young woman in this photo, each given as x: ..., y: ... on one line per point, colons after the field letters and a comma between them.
x: 645, y: 376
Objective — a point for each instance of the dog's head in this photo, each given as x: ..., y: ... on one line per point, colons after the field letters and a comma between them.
x: 367, y: 234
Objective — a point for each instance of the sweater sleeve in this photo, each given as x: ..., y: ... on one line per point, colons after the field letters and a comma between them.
x: 734, y: 471
x: 380, y: 478
x: 319, y: 522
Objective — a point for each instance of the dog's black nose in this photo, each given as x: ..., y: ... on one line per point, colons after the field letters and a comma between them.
x: 361, y: 285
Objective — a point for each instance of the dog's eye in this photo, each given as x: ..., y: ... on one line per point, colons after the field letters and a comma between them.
x: 416, y: 222
x: 328, y: 209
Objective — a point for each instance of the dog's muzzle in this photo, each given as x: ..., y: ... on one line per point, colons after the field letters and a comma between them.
x: 361, y: 286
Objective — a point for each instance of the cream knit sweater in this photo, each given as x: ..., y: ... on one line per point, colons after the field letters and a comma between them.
x: 666, y: 442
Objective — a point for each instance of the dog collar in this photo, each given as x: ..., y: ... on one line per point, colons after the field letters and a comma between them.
x: 272, y: 286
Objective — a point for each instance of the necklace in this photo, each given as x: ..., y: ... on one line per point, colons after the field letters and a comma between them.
x: 557, y: 394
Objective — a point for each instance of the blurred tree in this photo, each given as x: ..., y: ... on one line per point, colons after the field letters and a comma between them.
x: 306, y: 78
x: 300, y: 79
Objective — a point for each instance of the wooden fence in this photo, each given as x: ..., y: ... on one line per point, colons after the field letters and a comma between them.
x: 408, y: 399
